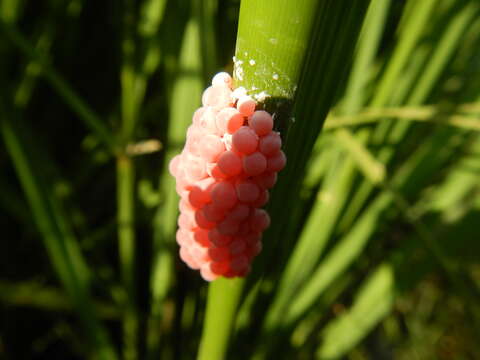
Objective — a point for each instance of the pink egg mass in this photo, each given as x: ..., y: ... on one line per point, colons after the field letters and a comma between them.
x: 230, y: 160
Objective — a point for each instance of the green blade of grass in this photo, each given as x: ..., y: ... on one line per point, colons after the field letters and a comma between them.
x: 371, y: 303
x: 336, y: 186
x: 416, y: 20
x: 185, y: 98
x: 435, y: 64
x: 375, y: 299
x: 400, y: 57
x: 152, y: 13
x: 63, y: 253
x: 10, y: 10
x: 130, y: 103
x: 432, y: 114
x: 63, y: 89
x: 372, y: 169
x: 408, y: 179
x: 35, y: 295
x: 318, y: 86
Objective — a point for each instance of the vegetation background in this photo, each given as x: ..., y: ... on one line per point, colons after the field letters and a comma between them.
x: 374, y: 249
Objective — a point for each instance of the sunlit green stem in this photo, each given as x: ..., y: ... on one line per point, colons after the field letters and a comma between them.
x: 126, y: 186
x: 223, y: 299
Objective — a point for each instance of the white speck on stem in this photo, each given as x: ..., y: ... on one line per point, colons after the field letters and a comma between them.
x: 275, y: 76
x: 238, y: 70
x: 251, y: 62
x: 261, y: 96
x: 273, y: 41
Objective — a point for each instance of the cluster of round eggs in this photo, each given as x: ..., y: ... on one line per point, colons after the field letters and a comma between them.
x: 230, y: 160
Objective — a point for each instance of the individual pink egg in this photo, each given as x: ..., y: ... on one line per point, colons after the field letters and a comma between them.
x: 276, y: 162
x: 223, y: 195
x: 251, y: 238
x: 208, y: 122
x: 193, y: 143
x: 214, y: 171
x: 254, y: 164
x: 183, y: 180
x: 217, y: 96
x: 254, y: 249
x: 247, y: 191
x: 212, y: 147
x: 244, y: 228
x: 266, y: 180
x: 183, y: 237
x: 245, y: 140
x: 185, y: 222
x: 245, y: 271
x: 219, y: 267
x: 261, y: 121
x: 184, y: 205
x: 199, y: 253
x: 195, y: 168
x: 218, y: 239
x: 227, y: 227
x: 207, y: 273
x: 200, y: 236
x: 224, y: 115
x: 270, y: 144
x: 262, y: 199
x: 188, y: 259
x: 213, y: 213
x: 230, y: 163
x: 239, y: 263
x: 237, y: 246
x: 222, y: 79
x: 218, y: 253
x: 202, y: 222
x: 238, y: 213
x: 259, y: 220
x: 173, y: 165
x: 197, y: 115
x: 239, y: 92
x: 246, y: 105
x: 181, y: 190
x: 200, y: 193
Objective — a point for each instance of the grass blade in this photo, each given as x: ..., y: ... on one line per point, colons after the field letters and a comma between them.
x: 63, y: 254
x: 63, y: 89
x: 187, y: 85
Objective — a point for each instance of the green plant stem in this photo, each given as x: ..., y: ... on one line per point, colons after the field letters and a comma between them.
x: 126, y: 185
x: 186, y: 92
x: 263, y: 40
x: 223, y: 300
x: 126, y: 237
